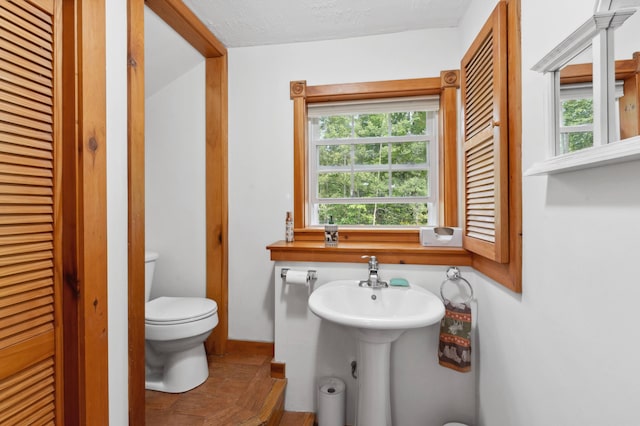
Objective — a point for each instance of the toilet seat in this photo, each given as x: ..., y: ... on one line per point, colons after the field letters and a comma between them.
x: 178, y: 310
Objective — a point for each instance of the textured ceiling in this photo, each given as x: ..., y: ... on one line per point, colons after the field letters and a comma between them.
x: 239, y: 23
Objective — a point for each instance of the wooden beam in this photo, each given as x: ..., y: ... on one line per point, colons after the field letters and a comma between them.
x: 179, y: 17
x: 217, y: 198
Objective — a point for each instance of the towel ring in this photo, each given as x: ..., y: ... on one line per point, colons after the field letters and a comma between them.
x: 453, y: 274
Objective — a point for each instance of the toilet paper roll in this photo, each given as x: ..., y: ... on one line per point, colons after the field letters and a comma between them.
x: 297, y: 277
x: 331, y: 402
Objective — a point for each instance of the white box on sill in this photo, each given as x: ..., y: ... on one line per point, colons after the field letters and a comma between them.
x: 441, y: 236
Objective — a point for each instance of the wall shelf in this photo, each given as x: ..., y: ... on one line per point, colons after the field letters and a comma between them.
x: 616, y: 152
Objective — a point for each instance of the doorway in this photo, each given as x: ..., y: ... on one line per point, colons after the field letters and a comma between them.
x: 185, y: 23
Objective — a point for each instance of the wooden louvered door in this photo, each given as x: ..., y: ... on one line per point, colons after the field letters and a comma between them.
x: 484, y: 97
x: 30, y: 314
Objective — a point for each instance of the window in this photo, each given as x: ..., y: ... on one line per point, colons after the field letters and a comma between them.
x: 374, y: 163
x: 491, y: 174
x: 361, y: 146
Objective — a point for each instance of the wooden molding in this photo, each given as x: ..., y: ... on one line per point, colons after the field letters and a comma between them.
x: 373, y: 90
x: 84, y: 214
x: 298, y: 89
x: 246, y: 347
x: 448, y: 157
x: 136, y: 212
x: 278, y: 370
x: 450, y: 78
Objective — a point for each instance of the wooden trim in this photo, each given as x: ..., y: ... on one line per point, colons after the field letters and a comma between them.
x: 246, y: 347
x: 278, y: 370
x: 179, y: 17
x: 445, y: 85
x: 510, y: 274
x: 300, y: 161
x: 448, y: 147
x: 217, y: 197
x: 391, y: 253
x: 84, y: 214
x: 70, y: 179
x: 94, y: 378
x: 136, y: 210
x: 373, y: 90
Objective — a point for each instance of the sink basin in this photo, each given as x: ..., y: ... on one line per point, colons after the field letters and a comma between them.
x: 378, y: 317
x: 392, y: 308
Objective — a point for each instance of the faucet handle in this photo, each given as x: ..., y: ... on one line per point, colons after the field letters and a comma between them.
x: 373, y: 261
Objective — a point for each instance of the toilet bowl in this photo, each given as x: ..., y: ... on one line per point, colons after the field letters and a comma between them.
x: 175, y: 331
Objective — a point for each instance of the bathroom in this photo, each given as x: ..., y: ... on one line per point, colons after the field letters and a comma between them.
x: 556, y: 354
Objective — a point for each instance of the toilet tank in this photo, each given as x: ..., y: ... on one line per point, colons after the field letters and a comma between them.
x: 150, y: 258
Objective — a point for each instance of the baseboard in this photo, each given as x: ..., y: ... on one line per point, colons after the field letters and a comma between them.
x: 246, y: 347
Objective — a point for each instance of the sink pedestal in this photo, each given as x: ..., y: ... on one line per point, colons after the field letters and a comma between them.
x: 374, y: 384
x: 377, y: 317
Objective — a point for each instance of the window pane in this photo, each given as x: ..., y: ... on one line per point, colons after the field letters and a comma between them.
x: 334, y: 185
x: 409, y: 123
x: 335, y: 127
x: 334, y: 155
x: 371, y: 154
x: 371, y: 184
x: 371, y: 125
x: 409, y: 153
x: 409, y: 184
x: 375, y: 214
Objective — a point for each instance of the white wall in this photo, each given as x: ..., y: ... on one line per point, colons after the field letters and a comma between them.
x: 261, y: 143
x: 175, y: 223
x: 116, y: 69
x: 563, y: 352
x: 422, y: 392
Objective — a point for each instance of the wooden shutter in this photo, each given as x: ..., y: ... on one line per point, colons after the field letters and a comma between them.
x: 29, y: 195
x: 484, y: 97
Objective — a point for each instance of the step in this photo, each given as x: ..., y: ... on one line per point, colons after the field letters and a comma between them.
x: 272, y: 408
x: 290, y: 418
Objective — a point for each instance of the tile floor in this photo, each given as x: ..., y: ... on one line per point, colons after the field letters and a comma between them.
x: 233, y: 395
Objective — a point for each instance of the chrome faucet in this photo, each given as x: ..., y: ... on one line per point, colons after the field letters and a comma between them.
x: 374, y: 280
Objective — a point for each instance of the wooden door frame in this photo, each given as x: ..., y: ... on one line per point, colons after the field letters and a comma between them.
x: 84, y: 217
x: 184, y: 22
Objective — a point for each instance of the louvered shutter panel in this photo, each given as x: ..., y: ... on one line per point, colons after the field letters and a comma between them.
x: 29, y: 330
x: 486, y: 178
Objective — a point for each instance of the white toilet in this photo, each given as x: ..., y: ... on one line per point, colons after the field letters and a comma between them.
x: 175, y: 330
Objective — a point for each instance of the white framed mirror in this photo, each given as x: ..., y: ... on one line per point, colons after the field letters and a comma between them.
x: 594, y: 91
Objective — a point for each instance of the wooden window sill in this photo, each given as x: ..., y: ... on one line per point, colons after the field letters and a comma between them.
x: 409, y: 253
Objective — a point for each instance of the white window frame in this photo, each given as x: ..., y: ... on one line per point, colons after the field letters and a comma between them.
x: 424, y: 103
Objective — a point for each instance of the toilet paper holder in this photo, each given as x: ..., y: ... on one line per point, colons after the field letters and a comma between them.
x: 311, y: 274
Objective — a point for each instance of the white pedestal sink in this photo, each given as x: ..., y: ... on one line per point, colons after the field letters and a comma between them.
x: 377, y: 317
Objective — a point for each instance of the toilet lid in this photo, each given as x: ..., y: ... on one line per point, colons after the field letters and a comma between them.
x: 178, y: 310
